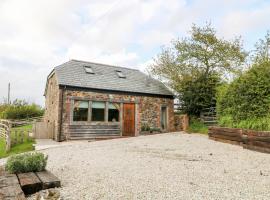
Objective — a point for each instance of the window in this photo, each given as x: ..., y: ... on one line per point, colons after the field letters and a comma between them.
x: 88, y: 70
x: 120, y: 74
x: 98, y: 111
x: 80, y: 111
x: 113, y: 115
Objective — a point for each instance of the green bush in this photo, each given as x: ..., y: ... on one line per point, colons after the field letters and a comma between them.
x: 199, y: 94
x: 197, y: 126
x: 245, y: 103
x: 155, y: 129
x: 145, y: 127
x: 27, y: 162
x: 20, y: 110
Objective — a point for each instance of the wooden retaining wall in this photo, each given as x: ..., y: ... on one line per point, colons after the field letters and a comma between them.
x: 249, y: 139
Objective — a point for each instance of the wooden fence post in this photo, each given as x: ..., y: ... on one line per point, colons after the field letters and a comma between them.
x: 16, y: 135
x: 28, y: 136
x: 22, y: 136
x: 8, y: 137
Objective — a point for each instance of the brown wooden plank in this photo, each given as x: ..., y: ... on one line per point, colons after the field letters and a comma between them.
x: 225, y: 141
x: 48, y: 180
x: 8, y: 179
x: 259, y: 138
x: 29, y: 182
x: 13, y: 192
x: 10, y: 187
x: 259, y: 144
x: 225, y: 129
x: 224, y: 133
x: 258, y: 133
x: 239, y: 139
x: 256, y: 148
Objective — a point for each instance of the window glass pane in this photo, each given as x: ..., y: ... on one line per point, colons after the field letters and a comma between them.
x: 120, y: 74
x: 80, y: 111
x: 113, y: 115
x: 96, y: 104
x: 98, y: 111
x: 88, y: 70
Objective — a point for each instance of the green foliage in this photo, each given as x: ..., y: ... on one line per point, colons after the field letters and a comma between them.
x: 227, y: 121
x: 20, y: 110
x: 194, y: 66
x: 27, y: 162
x: 145, y: 127
x: 199, y: 94
x: 245, y: 103
x: 16, y: 149
x: 197, y: 126
x: 261, y: 53
x: 27, y: 145
x: 259, y: 124
x: 155, y: 129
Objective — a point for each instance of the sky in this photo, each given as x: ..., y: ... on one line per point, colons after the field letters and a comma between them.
x: 37, y: 35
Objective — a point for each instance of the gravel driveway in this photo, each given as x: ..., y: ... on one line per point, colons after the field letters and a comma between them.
x: 166, y: 166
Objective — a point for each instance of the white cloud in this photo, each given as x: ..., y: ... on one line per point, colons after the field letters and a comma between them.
x: 36, y: 35
x: 242, y: 22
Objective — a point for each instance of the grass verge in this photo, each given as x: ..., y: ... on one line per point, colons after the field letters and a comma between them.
x: 18, y: 148
x: 196, y: 126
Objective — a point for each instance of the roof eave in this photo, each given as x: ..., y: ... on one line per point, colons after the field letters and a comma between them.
x: 48, y: 77
x: 172, y: 96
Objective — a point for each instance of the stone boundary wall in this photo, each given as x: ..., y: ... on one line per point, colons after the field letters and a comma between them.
x: 248, y: 139
x: 181, y: 122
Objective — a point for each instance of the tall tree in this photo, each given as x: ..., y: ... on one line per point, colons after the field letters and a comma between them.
x: 261, y: 54
x: 196, y: 64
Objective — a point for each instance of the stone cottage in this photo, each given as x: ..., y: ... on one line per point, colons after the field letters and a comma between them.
x: 86, y: 100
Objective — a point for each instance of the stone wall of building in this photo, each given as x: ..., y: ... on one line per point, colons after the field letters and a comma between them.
x: 181, y: 122
x: 52, y: 104
x: 148, y: 109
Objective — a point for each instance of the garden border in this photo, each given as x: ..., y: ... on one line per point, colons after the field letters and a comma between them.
x: 248, y: 139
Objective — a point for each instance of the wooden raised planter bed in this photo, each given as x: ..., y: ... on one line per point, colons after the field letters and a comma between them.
x: 10, y: 187
x: 249, y: 139
x: 15, y: 187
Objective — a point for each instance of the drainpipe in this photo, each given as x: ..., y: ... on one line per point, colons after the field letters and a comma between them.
x: 61, y: 112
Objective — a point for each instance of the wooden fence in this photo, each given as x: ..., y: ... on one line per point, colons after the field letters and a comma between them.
x: 249, y: 139
x: 5, y: 128
x: 13, y: 136
x: 43, y: 130
x: 19, y: 136
x: 26, y: 121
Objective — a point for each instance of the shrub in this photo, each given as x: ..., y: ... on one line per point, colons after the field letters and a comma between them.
x: 155, y: 129
x: 20, y: 111
x: 28, y: 162
x: 245, y: 103
x: 145, y: 127
x: 197, y: 126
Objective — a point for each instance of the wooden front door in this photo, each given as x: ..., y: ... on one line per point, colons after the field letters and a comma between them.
x: 129, y: 119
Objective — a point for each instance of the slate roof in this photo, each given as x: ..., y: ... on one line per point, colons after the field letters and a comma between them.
x: 72, y: 73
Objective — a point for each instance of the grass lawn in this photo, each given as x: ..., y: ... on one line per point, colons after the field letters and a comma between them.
x: 18, y: 148
x: 196, y: 126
